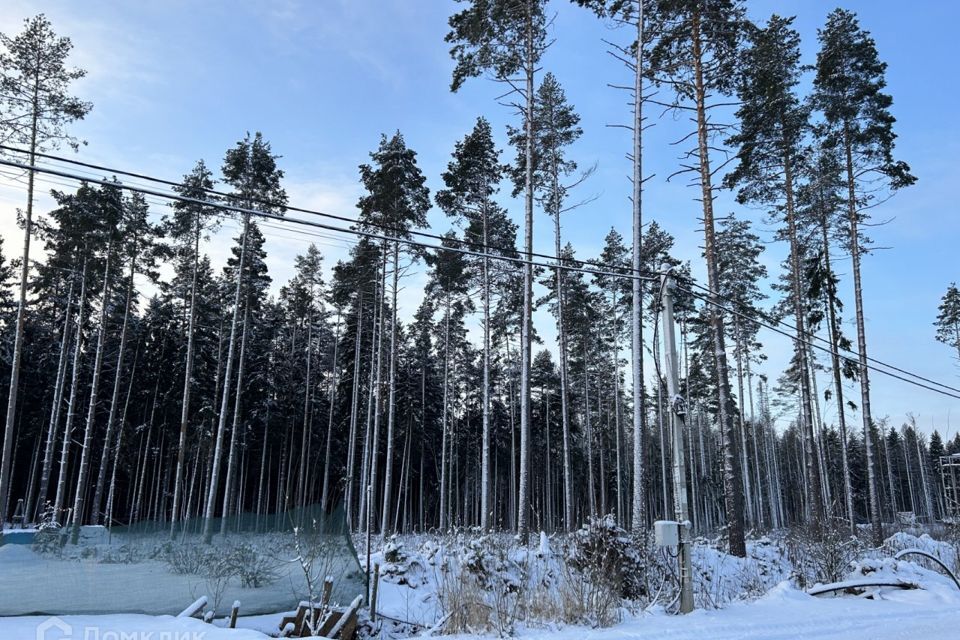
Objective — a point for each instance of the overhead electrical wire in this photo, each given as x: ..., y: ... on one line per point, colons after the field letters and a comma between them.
x: 620, y: 272
x: 775, y: 329
x: 319, y: 225
x: 315, y: 212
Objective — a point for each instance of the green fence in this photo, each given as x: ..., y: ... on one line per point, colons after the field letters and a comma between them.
x: 267, y: 562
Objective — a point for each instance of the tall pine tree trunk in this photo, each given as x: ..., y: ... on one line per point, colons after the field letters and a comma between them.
x: 82, y: 472
x: 331, y: 411
x: 837, y: 376
x: 486, y: 509
x: 564, y: 385
x: 6, y: 462
x: 212, y: 490
x: 811, y: 458
x: 377, y: 399
x: 391, y: 402
x: 229, y: 485
x: 875, y: 524
x: 354, y: 407
x: 114, y: 400
x: 187, y: 382
x: 638, y: 511
x: 733, y: 490
x: 55, y: 408
x: 445, y: 416
x: 526, y: 328
x: 307, y: 415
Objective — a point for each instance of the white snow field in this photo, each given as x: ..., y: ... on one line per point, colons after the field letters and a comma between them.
x: 783, y: 614
x: 415, y: 570
x: 114, y: 627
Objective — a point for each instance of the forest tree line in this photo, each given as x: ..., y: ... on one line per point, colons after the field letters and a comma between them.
x: 214, y: 391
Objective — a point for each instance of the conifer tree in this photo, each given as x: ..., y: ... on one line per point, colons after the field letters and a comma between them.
x: 447, y: 288
x: 948, y: 318
x: 858, y: 125
x: 36, y: 108
x: 555, y: 128
x: 472, y: 180
x: 397, y: 199
x: 635, y: 14
x: 506, y: 38
x: 740, y: 272
x: 250, y: 168
x: 139, y: 252
x: 186, y: 228
x: 773, y: 122
x: 695, y: 52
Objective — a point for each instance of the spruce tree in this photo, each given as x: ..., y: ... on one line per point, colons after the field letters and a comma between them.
x: 740, y: 273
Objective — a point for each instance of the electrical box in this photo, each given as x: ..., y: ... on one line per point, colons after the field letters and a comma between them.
x: 666, y: 533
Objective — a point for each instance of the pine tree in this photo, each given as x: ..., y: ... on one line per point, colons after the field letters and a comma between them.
x: 948, y: 318
x: 505, y: 38
x: 36, y: 107
x: 555, y: 127
x: 773, y: 122
x: 635, y: 14
x: 696, y: 52
x: 186, y: 228
x: 250, y: 168
x: 848, y: 91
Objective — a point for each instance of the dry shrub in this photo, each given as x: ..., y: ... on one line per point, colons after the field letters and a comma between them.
x: 608, y: 556
x: 822, y: 556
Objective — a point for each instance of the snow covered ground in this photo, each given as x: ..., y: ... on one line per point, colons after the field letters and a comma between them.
x: 416, y: 572
x: 787, y: 613
x: 114, y: 627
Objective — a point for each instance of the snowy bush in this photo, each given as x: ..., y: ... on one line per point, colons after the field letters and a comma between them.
x: 189, y: 559
x: 254, y: 569
x: 606, y: 555
x: 822, y: 556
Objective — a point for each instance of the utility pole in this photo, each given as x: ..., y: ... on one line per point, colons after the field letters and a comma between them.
x: 678, y: 424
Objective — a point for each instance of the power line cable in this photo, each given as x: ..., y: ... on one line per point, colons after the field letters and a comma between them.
x: 652, y: 276
x: 814, y: 336
x: 319, y: 225
x: 775, y: 329
x: 408, y: 241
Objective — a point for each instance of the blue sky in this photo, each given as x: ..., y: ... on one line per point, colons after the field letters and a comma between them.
x: 173, y: 81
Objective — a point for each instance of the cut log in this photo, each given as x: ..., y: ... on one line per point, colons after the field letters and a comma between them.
x: 194, y: 608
